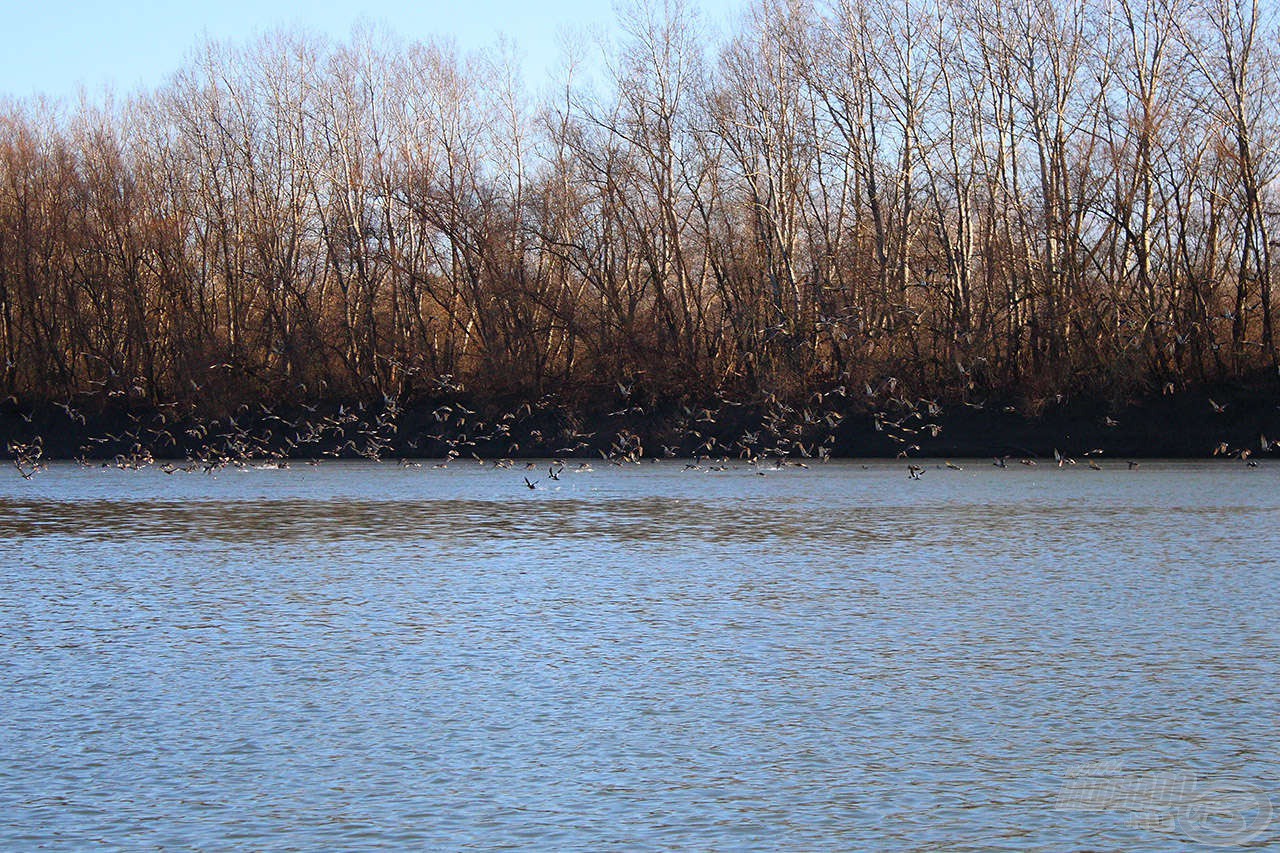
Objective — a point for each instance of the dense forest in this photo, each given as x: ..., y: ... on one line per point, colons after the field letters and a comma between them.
x: 1007, y: 199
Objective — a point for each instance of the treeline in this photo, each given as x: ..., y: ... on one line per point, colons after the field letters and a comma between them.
x: 1007, y: 196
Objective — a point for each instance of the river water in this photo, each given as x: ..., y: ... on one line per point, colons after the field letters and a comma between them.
x: 357, y: 656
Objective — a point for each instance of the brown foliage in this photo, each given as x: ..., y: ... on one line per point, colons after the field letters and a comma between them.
x: 1016, y: 198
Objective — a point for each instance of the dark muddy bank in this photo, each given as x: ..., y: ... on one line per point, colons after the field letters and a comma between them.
x: 1224, y: 420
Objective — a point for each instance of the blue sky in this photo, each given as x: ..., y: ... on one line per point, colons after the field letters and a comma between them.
x: 55, y: 47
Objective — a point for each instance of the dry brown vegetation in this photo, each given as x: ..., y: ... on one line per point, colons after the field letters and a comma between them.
x: 1005, y: 197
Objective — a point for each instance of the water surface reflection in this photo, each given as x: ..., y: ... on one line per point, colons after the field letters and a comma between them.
x: 362, y: 656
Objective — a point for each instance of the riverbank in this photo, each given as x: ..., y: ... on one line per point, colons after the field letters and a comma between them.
x: 1224, y: 420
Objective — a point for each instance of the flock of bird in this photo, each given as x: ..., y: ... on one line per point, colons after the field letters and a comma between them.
x: 766, y: 435
x: 261, y: 436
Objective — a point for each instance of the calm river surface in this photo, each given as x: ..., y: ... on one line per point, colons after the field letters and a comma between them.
x: 358, y: 656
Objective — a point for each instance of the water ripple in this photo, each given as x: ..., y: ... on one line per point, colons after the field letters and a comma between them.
x: 833, y: 660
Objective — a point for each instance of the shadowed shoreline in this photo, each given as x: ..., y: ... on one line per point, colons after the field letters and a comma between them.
x: 1229, y: 421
